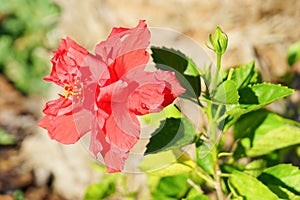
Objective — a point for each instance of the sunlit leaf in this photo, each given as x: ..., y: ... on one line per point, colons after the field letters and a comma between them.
x: 227, y: 93
x: 198, y: 197
x: 255, y: 97
x: 205, y: 160
x: 248, y: 187
x: 267, y: 132
x: 256, y: 167
x: 245, y: 75
x: 98, y: 191
x: 283, y: 179
x: 167, y: 163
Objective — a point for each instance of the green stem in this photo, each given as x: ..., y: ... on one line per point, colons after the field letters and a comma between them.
x: 219, y: 109
x: 225, y: 154
x: 230, y: 73
x: 219, y: 57
x: 222, y: 118
x: 213, y: 128
x: 201, y: 173
x: 217, y: 174
x: 216, y: 79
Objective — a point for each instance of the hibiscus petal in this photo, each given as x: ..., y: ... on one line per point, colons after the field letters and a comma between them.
x: 94, y: 71
x: 97, y: 141
x: 122, y: 41
x: 126, y: 62
x: 60, y: 106
x: 154, y: 90
x: 172, y: 82
x: 113, y: 157
x: 114, y: 160
x: 122, y: 132
x: 60, y: 128
x: 147, y: 98
x: 66, y: 62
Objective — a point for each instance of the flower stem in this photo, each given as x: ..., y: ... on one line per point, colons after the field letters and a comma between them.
x: 213, y: 128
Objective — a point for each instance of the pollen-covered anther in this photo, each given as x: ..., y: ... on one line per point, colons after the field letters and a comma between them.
x: 71, y: 91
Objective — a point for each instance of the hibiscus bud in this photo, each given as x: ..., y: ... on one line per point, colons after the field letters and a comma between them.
x: 219, y: 41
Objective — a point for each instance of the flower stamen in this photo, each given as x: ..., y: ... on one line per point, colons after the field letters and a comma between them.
x: 71, y: 91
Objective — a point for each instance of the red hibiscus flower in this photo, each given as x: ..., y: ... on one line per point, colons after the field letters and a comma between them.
x: 77, y: 71
x: 105, y: 93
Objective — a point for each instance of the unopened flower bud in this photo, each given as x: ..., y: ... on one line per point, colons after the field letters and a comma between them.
x: 219, y: 41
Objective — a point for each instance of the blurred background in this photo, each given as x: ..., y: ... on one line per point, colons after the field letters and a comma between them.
x: 32, y: 166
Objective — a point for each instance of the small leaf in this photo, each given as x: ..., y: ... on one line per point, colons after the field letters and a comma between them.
x: 245, y: 75
x: 227, y: 93
x: 293, y: 54
x: 283, y: 179
x: 185, y: 69
x: 248, y: 187
x: 167, y: 163
x: 173, y: 133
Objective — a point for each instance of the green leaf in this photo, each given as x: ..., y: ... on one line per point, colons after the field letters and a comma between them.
x: 255, y: 97
x: 185, y: 69
x: 98, y: 191
x: 248, y: 123
x: 198, y: 197
x: 248, y: 187
x: 159, y: 196
x: 282, y: 179
x: 227, y: 93
x: 258, y: 96
x: 173, y: 186
x: 204, y: 158
x: 155, y: 118
x: 173, y: 133
x: 256, y: 167
x: 268, y: 133
x: 167, y: 163
x: 245, y: 75
x: 6, y: 138
x: 267, y: 93
x: 293, y: 54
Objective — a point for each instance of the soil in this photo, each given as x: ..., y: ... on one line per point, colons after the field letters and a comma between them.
x: 18, y: 117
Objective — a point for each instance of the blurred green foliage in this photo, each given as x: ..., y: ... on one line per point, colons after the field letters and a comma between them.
x: 293, y: 54
x: 24, y: 48
x: 6, y: 138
